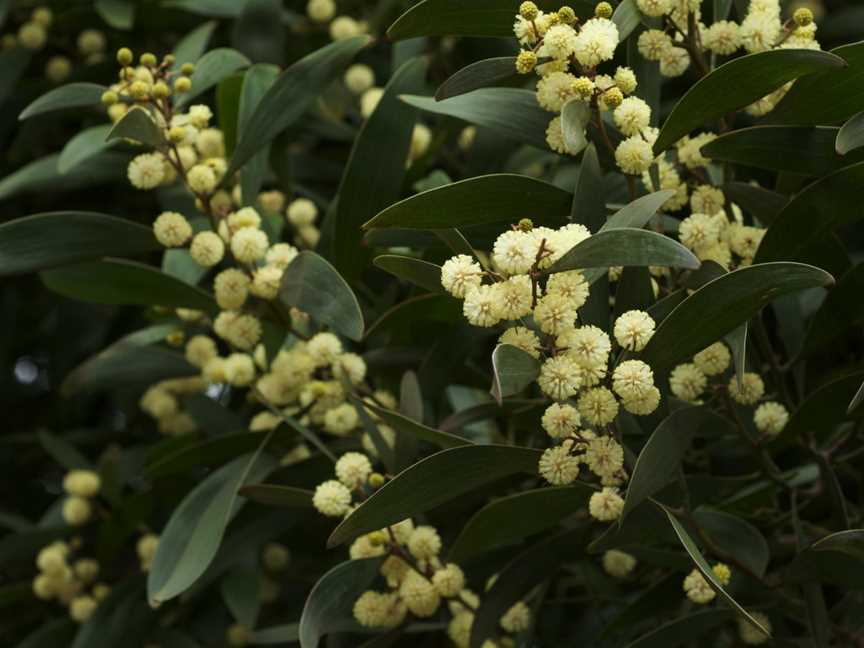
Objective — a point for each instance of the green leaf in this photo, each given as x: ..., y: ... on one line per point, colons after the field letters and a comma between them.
x: 57, y: 632
x: 512, y: 371
x: 627, y: 18
x: 83, y: 146
x: 256, y: 82
x: 416, y: 271
x: 194, y: 44
x: 589, y: 204
x: 228, y: 109
x: 762, y: 203
x: 122, y: 614
x: 54, y: 239
x: 857, y: 399
x: 240, y: 589
x: 626, y: 247
x: 210, y: 69
x: 703, y: 566
x: 311, y: 284
x: 179, y: 263
x: 495, y: 198
x: 639, y: 212
x: 14, y: 63
x: 433, y: 481
x: 851, y: 135
x: 63, y: 452
x: 42, y: 174
x: 194, y: 532
x: 721, y: 305
x: 509, y: 112
x: 480, y: 74
x: 130, y: 361
x: 828, y: 203
x: 275, y: 495
x: 840, y: 313
x: 115, y: 281
x: 404, y: 425
x: 211, y: 452
x: 660, y: 459
x: 477, y: 18
x: 737, y: 84
x: 736, y: 537
x: 575, y: 117
x: 120, y: 14
x: 806, y: 150
x: 330, y: 605
x: 831, y: 96
x: 291, y: 94
x: 71, y: 95
x: 683, y: 630
x: 516, y: 580
x: 138, y: 125
x: 375, y: 171
x: 537, y: 510
x: 849, y: 542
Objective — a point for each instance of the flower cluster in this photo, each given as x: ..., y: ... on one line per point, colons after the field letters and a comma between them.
x: 698, y: 589
x: 69, y: 579
x: 81, y: 487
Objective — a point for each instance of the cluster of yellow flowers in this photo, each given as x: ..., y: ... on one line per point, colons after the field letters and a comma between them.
x: 70, y: 579
x: 33, y: 35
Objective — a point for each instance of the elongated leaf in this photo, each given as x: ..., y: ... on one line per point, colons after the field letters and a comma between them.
x: 851, y: 135
x: 120, y: 14
x: 479, y: 74
x: 131, y: 361
x: 211, y: 452
x: 737, y: 84
x: 42, y: 174
x: 404, y: 425
x: 825, y: 407
x: 276, y: 635
x: 660, y: 460
x: 63, y: 452
x: 627, y: 18
x: 703, y: 566
x: 721, y: 305
x: 536, y: 510
x: 210, y: 69
x: 258, y: 31
x: 762, y: 203
x: 115, y: 281
x: 857, y: 399
x: 416, y: 271
x: 589, y: 204
x: 828, y: 203
x: 477, y: 18
x: 57, y: 632
x: 275, y: 495
x: 179, y: 263
x: 194, y: 532
x: 194, y: 44
x: 72, y: 95
x: 496, y: 198
x: 735, y: 536
x: 54, y: 239
x: 509, y: 112
x: 240, y: 592
x: 686, y: 629
x: 639, y: 212
x: 123, y: 613
x: 256, y: 82
x: 808, y: 150
x: 291, y: 94
x: 841, y: 312
x: 330, y: 603
x: 435, y: 480
x: 311, y: 284
x: 82, y: 146
x: 626, y: 247
x: 825, y: 98
x: 849, y: 542
x: 524, y: 572
x: 138, y: 125
x: 512, y: 371
x: 375, y: 171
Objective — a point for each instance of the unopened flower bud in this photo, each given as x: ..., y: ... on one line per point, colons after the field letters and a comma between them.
x: 169, y: 59
x: 526, y: 61
x: 139, y: 90
x: 613, y: 97
x: 603, y: 10
x: 148, y: 59
x: 376, y: 480
x: 803, y: 17
x: 377, y: 538
x: 525, y: 225
x: 161, y: 90
x: 124, y: 56
x: 183, y: 84
x: 187, y: 69
x: 566, y: 15
x: 528, y: 10
x: 109, y: 98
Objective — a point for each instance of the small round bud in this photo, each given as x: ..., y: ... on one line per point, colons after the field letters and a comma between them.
x: 803, y: 17
x: 187, y: 69
x: 525, y: 225
x: 109, y: 98
x: 176, y: 134
x: 127, y: 74
x: 169, y: 59
x: 566, y: 15
x: 376, y: 480
x: 176, y: 338
x: 603, y: 10
x: 526, y: 61
x: 528, y: 10
x: 139, y: 90
x: 124, y: 56
x: 148, y: 59
x: 42, y: 16
x: 613, y: 97
x: 183, y: 84
x: 161, y: 90
x: 583, y: 87
x: 377, y: 538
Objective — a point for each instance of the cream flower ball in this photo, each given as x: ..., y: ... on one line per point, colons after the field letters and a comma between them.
x: 359, y: 78
x: 522, y: 338
x: 353, y: 469
x: 560, y: 420
x: 633, y: 329
x: 459, y: 274
x: 207, y: 249
x: 596, y: 42
x: 321, y: 11
x: 560, y: 377
x: 770, y: 418
x: 249, y: 245
x: 231, y: 288
x: 83, y: 483
x: 750, y: 391
x: 598, y: 406
x: 146, y: 171
x: 482, y: 305
x: 514, y: 252
x: 172, y: 229
x: 558, y: 467
x: 201, y: 179
x: 618, y: 564
x: 606, y: 505
x: 301, y: 211
x: 713, y: 360
x: 687, y: 381
x: 632, y: 115
x: 332, y: 498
